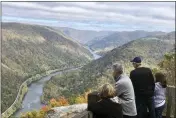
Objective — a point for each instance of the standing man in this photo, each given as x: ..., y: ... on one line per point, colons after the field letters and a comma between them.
x: 144, y: 85
x: 125, y: 91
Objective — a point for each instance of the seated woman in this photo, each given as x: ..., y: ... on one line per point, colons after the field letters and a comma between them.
x: 108, y: 106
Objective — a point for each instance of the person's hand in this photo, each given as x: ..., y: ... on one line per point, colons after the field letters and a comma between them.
x: 98, y: 94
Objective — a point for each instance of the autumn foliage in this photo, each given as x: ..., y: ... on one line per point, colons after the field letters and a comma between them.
x: 82, y: 98
x: 46, y: 108
x: 61, y: 101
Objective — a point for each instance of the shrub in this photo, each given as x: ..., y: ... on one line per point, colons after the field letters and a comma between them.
x: 45, y: 108
x: 53, y: 102
x: 62, y: 102
x: 34, y: 113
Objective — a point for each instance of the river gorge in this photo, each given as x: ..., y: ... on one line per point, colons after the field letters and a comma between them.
x: 32, y: 100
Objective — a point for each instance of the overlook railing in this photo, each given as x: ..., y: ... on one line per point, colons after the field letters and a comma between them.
x: 170, y: 110
x: 171, y: 102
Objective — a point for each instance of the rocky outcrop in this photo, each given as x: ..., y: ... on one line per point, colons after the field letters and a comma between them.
x: 66, y: 111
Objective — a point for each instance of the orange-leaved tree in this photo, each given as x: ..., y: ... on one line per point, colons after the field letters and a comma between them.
x: 62, y: 101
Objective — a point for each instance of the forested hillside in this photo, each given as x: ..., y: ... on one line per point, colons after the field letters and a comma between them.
x: 28, y: 50
x: 118, y: 39
x: 94, y: 74
x: 167, y: 65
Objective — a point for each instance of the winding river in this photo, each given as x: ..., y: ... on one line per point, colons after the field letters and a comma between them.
x: 94, y: 54
x: 31, y: 100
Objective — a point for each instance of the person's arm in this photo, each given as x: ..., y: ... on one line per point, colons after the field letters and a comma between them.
x: 119, y: 100
x: 152, y: 79
x: 132, y: 79
x: 131, y: 75
x: 119, y: 89
x: 156, y: 89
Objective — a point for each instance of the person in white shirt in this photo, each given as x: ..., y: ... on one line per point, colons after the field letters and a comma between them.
x: 160, y: 94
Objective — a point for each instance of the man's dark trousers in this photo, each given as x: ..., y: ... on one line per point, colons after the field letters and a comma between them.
x: 144, y: 103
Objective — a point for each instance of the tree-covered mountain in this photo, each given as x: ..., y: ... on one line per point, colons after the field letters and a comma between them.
x: 28, y: 50
x: 99, y: 71
x: 84, y: 36
x: 167, y: 37
x: 117, y: 39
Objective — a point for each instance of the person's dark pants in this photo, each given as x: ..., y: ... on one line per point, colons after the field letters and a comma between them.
x: 159, y: 111
x: 124, y: 116
x: 144, y: 103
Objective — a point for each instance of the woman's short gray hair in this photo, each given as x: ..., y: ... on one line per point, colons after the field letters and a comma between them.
x: 118, y: 67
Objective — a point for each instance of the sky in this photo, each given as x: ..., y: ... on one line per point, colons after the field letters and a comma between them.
x: 99, y: 16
